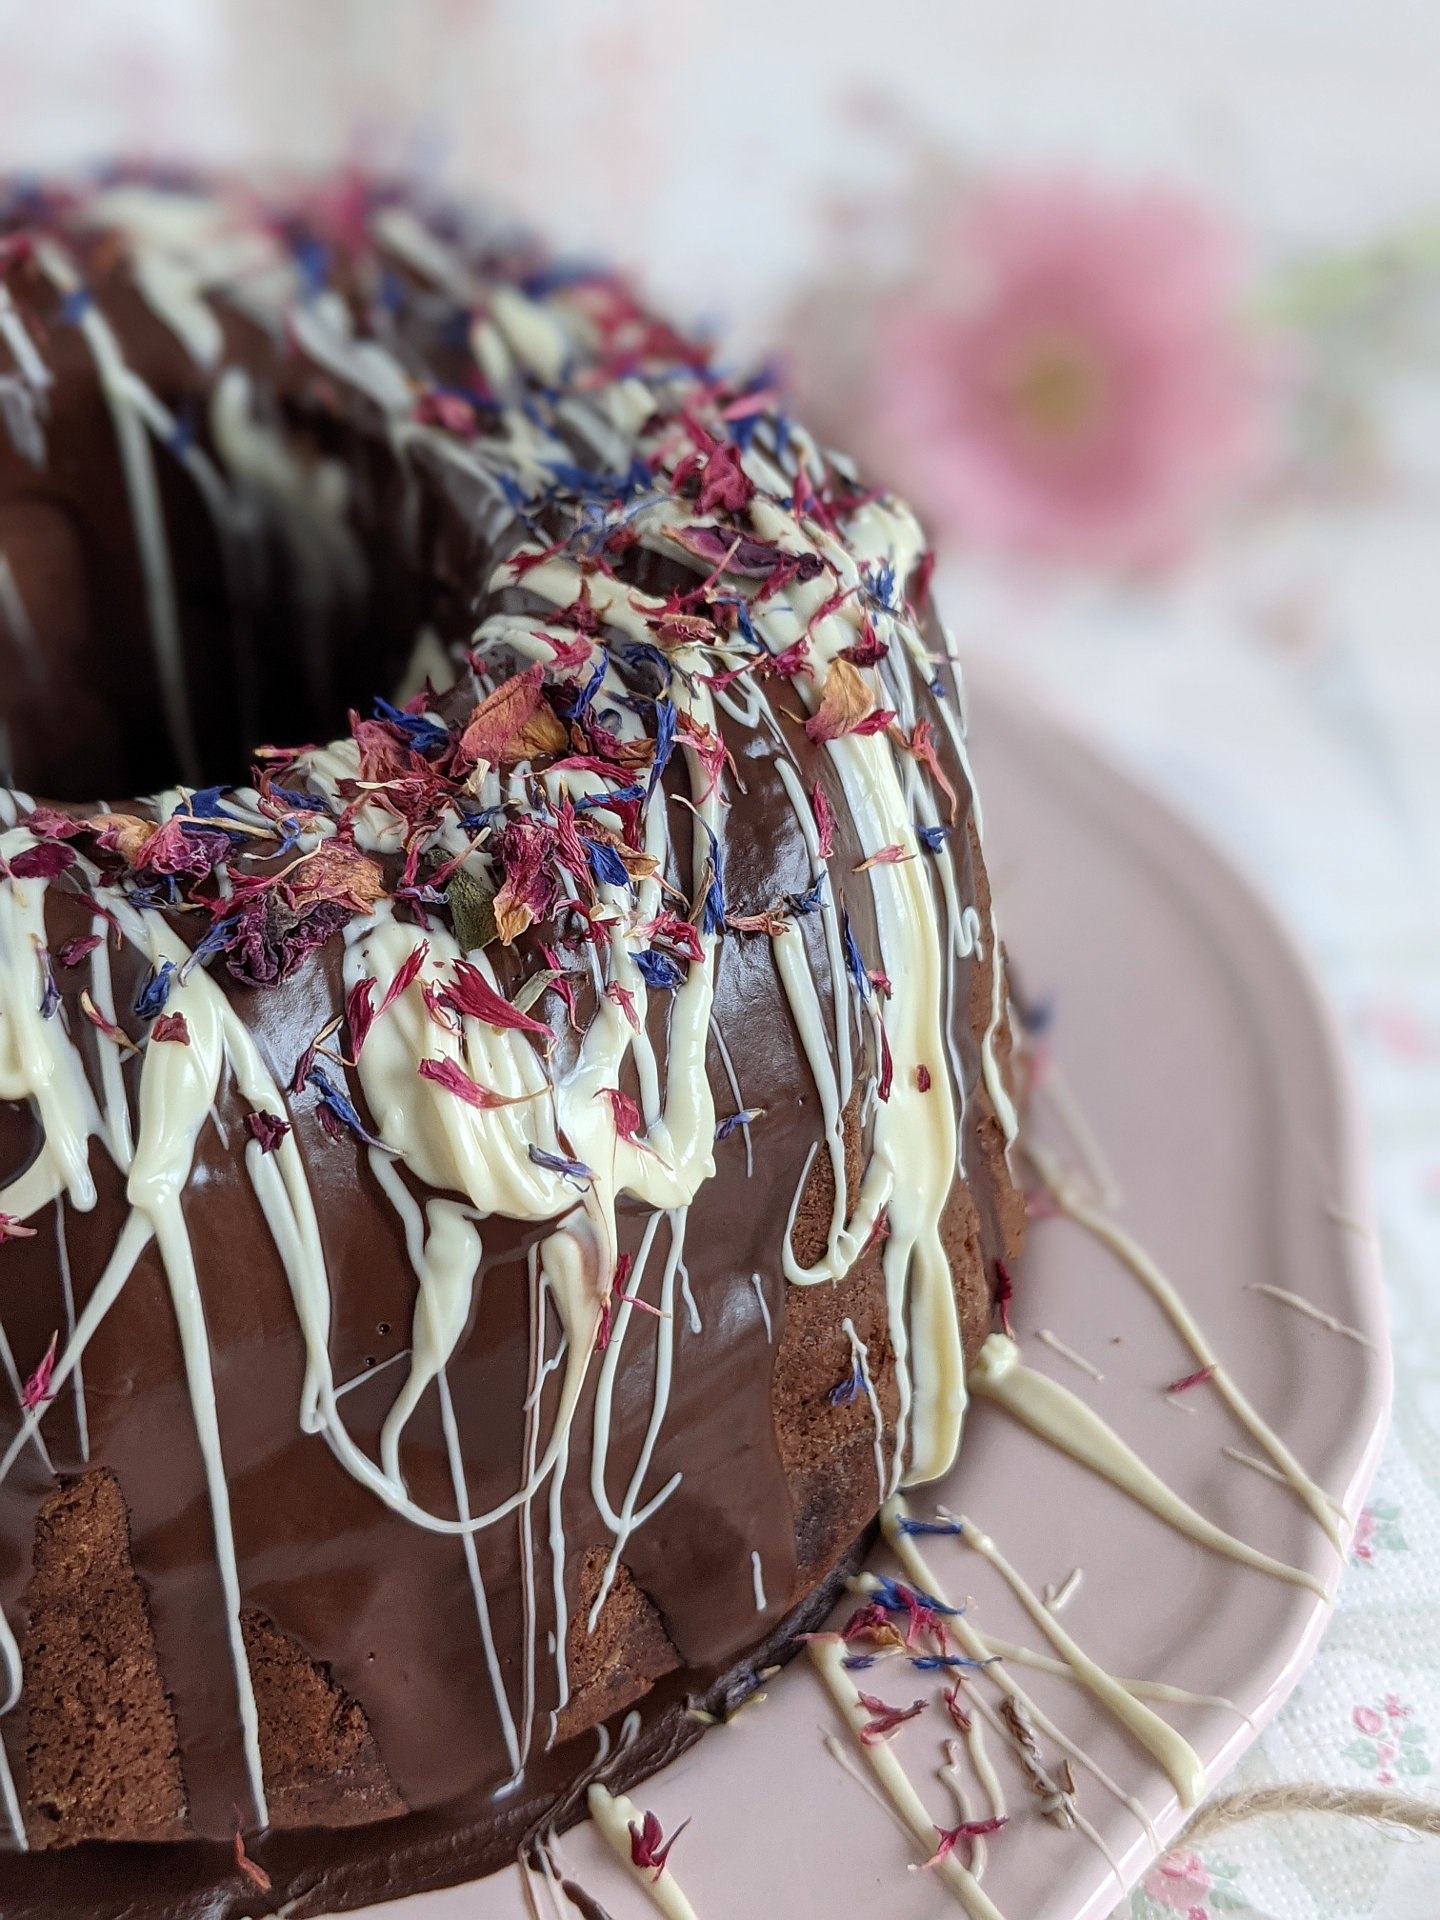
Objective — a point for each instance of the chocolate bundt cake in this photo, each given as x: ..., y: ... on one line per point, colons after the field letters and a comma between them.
x: 492, y: 1202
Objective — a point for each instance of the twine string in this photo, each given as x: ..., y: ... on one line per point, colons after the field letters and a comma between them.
x: 1312, y: 1796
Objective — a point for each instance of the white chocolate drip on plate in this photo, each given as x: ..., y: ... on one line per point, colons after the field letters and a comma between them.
x: 615, y: 1814
x: 1129, y: 1251
x: 1175, y: 1754
x: 827, y: 1652
x: 1062, y: 1418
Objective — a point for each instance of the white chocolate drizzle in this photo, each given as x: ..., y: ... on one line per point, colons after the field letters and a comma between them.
x: 1176, y: 1755
x: 827, y: 1653
x: 1132, y: 1255
x: 615, y: 1814
x: 1311, y: 1312
x: 1062, y: 1418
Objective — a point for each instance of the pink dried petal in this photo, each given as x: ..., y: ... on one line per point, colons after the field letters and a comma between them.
x: 37, y: 1390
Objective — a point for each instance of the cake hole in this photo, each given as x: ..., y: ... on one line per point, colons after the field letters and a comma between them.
x: 384, y: 1327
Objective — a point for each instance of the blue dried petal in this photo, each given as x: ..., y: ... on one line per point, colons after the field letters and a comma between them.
x: 422, y: 731
x: 600, y: 486
x: 559, y: 273
x: 857, y: 1662
x: 812, y: 901
x: 659, y: 970
x: 634, y: 792
x: 606, y: 864
x: 205, y: 949
x: 49, y: 991
x: 313, y: 259
x: 289, y: 835
x: 155, y: 990
x: 666, y: 721
x: 742, y: 616
x: 896, y: 1597
x: 574, y: 705
x: 934, y: 837
x: 305, y: 802
x: 932, y: 1662
x: 640, y: 653
x: 854, y: 964
x: 744, y: 1118
x: 937, y: 687
x: 848, y: 1390
x: 75, y: 306
x: 879, y: 582
x: 202, y: 804
x: 742, y: 431
x: 712, y: 920
x: 572, y: 1169
x: 929, y: 1526
x: 335, y: 1100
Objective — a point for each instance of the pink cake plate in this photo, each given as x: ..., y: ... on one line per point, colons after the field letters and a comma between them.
x: 1201, y: 1053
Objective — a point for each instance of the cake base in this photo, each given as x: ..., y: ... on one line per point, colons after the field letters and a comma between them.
x: 322, y: 1870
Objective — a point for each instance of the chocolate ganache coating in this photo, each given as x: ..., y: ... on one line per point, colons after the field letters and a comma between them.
x: 490, y: 1205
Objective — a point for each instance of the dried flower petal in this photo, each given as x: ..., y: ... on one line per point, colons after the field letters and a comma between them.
x: 884, y: 1719
x: 967, y: 1830
x: 575, y: 1170
x: 1196, y: 1379
x: 468, y: 991
x: 267, y: 1129
x: 824, y: 821
x: 629, y: 1123
x: 11, y: 1228
x: 646, y: 1848
x: 108, y: 1027
x: 338, y: 871
x: 625, y: 1000
x: 359, y: 1013
x: 71, y: 952
x: 501, y: 714
x: 453, y: 1077
x: 922, y: 744
x: 42, y: 862
x: 123, y: 833
x: 251, y: 1869
x: 48, y: 823
x: 844, y: 703
x: 37, y: 1390
x: 725, y: 487
x: 891, y: 856
x: 171, y: 1026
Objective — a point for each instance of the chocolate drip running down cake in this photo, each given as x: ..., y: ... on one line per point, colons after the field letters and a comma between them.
x: 493, y: 1203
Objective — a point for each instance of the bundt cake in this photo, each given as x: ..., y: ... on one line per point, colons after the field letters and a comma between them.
x: 492, y: 1198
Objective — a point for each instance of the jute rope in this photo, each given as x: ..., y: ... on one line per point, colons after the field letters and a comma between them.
x: 1396, y: 1809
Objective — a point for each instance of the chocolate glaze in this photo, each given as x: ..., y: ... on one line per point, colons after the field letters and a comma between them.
x: 328, y: 1871
x: 386, y: 1606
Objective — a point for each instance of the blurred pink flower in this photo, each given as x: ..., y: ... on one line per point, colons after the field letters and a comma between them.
x: 1175, y: 1880
x: 1368, y: 1720
x: 1071, y: 379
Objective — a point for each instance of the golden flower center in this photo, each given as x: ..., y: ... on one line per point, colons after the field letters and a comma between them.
x: 1057, y: 385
